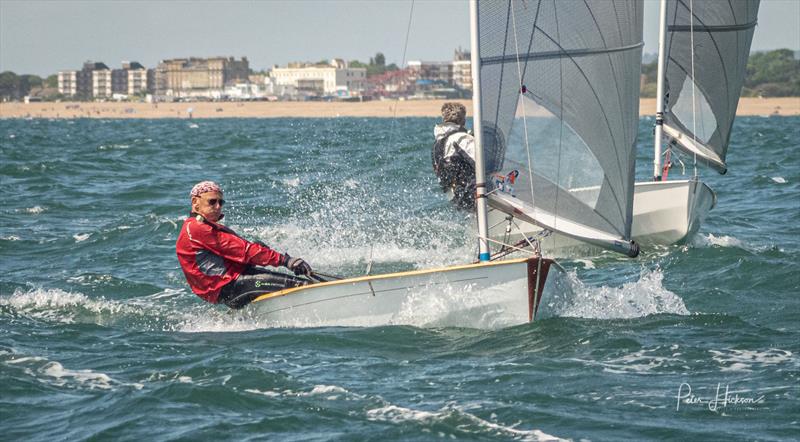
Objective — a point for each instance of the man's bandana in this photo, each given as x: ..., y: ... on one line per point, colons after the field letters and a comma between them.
x: 203, y: 187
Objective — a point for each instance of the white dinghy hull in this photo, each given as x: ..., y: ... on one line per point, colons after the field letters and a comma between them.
x: 664, y: 213
x: 670, y: 212
x: 483, y: 295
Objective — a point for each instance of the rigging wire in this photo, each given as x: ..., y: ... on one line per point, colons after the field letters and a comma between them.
x: 522, y: 91
x: 402, y: 63
x: 694, y: 85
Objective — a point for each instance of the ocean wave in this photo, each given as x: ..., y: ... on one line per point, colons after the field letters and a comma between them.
x: 710, y: 240
x: 747, y: 360
x: 54, y: 373
x: 453, y: 416
x: 641, y: 361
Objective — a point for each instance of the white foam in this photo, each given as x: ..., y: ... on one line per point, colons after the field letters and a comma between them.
x: 71, y: 307
x: 264, y: 393
x: 711, y: 240
x: 644, y: 297
x: 398, y: 415
x: 11, y: 238
x: 587, y: 264
x: 640, y: 362
x: 56, y: 304
x: 291, y: 182
x: 744, y: 360
x: 35, y: 210
x: 54, y: 373
x: 113, y: 146
x: 88, y: 378
x: 79, y: 237
x: 325, y: 389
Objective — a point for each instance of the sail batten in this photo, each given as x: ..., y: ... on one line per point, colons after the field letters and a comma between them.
x: 703, y: 108
x: 560, y: 53
x: 571, y: 105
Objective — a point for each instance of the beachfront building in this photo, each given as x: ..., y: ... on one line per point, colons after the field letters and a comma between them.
x: 244, y: 91
x: 68, y: 83
x: 84, y: 84
x: 462, y: 70
x: 456, y: 73
x: 199, y: 77
x: 101, y: 83
x: 431, y: 71
x: 390, y: 84
x: 333, y: 79
x: 130, y: 80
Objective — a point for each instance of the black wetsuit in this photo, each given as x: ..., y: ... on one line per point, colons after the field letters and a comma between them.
x: 254, y: 282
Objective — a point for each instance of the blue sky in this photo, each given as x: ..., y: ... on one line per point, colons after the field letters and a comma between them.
x: 44, y: 36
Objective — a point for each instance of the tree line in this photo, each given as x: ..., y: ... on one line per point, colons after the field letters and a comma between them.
x: 769, y: 74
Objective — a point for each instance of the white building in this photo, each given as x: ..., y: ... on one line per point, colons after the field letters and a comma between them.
x: 101, y: 83
x: 68, y: 83
x: 275, y: 91
x: 462, y: 74
x: 137, y: 81
x: 244, y: 91
x: 334, y: 79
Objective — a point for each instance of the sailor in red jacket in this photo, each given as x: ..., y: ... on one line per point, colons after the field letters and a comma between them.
x: 220, y: 266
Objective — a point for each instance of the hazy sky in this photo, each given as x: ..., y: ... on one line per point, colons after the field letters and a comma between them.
x: 44, y: 36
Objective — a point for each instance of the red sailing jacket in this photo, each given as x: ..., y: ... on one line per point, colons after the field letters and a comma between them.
x: 212, y: 255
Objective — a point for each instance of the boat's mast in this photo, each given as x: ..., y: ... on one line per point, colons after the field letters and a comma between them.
x: 480, y: 173
x: 662, y: 55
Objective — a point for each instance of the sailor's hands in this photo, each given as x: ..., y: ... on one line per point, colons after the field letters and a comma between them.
x: 298, y: 266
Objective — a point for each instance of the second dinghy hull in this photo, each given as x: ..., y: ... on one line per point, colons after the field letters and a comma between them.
x: 664, y: 213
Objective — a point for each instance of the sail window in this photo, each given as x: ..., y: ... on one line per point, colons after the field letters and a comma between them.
x: 558, y: 154
x: 705, y: 122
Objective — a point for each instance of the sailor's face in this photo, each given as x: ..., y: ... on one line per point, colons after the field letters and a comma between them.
x: 209, y: 205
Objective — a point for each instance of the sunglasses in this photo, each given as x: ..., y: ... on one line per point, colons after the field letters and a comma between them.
x: 214, y: 201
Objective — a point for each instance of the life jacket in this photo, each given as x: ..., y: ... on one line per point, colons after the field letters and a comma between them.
x: 456, y: 172
x: 437, y: 153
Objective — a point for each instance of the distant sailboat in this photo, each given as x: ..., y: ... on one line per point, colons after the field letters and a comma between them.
x: 562, y: 104
x: 703, y: 51
x: 667, y: 212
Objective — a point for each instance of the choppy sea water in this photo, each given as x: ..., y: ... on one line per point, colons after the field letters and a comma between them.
x: 100, y: 337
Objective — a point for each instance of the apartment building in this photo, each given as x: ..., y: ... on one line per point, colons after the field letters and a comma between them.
x: 84, y: 83
x: 456, y: 73
x: 199, y: 77
x: 335, y: 78
x: 101, y: 83
x: 68, y: 83
x: 462, y: 70
x: 432, y: 71
x: 130, y: 80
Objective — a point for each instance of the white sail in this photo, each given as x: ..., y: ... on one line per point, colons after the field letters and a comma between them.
x: 722, y: 33
x: 560, y: 104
